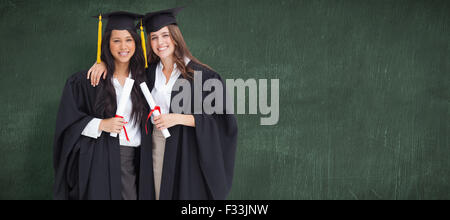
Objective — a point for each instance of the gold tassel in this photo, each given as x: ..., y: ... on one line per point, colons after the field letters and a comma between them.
x: 99, y: 40
x: 143, y: 45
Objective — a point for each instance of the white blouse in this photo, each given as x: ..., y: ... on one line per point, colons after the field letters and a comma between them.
x: 133, y: 130
x: 161, y: 92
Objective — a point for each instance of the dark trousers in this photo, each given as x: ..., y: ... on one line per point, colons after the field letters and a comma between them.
x: 128, y: 169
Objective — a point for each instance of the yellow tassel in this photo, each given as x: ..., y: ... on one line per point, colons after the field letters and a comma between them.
x: 143, y: 45
x: 99, y: 40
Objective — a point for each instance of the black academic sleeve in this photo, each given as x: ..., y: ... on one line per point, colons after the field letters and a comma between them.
x: 216, y: 136
x: 71, y: 120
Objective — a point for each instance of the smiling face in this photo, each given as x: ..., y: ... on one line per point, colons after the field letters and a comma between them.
x: 162, y: 44
x: 122, y: 45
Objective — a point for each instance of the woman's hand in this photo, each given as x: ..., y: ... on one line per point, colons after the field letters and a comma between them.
x: 169, y: 120
x: 96, y: 71
x: 112, y: 125
x: 165, y: 121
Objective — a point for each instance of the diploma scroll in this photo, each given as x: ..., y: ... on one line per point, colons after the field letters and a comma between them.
x: 126, y: 91
x: 152, y: 104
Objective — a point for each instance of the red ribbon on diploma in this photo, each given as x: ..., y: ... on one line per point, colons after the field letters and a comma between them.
x: 124, y: 129
x: 150, y: 114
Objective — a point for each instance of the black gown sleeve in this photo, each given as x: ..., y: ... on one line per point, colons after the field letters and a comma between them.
x: 216, y: 136
x: 72, y: 118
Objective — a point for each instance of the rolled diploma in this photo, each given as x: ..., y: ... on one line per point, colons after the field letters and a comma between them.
x: 126, y: 91
x: 152, y: 104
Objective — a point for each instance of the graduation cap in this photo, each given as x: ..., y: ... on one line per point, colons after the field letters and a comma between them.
x: 119, y: 20
x: 154, y: 21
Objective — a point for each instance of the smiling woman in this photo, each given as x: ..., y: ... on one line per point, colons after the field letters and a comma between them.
x: 90, y: 164
x: 161, y: 43
x: 122, y: 46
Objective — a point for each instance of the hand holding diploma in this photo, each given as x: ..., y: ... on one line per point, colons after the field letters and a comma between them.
x: 155, y: 109
x: 123, y: 102
x: 112, y: 125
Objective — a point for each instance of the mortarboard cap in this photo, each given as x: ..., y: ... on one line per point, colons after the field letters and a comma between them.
x: 119, y: 20
x: 154, y: 21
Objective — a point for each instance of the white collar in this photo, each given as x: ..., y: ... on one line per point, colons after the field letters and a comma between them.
x: 186, y: 62
x: 115, y: 80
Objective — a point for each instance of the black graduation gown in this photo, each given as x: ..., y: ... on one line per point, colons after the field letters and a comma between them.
x: 198, y: 161
x: 86, y: 168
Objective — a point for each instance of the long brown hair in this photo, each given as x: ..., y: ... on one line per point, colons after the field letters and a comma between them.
x: 181, y: 51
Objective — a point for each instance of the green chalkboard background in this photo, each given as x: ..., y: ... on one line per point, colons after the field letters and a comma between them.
x: 364, y: 91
